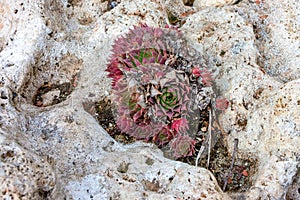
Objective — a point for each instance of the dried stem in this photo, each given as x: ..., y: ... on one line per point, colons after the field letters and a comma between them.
x: 199, y: 155
x: 209, y: 137
x: 229, y: 174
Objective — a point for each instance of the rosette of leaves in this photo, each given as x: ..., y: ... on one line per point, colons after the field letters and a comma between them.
x: 132, y: 112
x: 134, y: 96
x: 164, y: 136
x: 174, y: 96
x: 157, y: 90
x: 150, y: 102
x: 141, y: 45
x: 183, y: 146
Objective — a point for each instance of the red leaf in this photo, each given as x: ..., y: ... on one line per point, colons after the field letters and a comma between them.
x: 222, y: 104
x: 196, y: 72
x: 180, y: 124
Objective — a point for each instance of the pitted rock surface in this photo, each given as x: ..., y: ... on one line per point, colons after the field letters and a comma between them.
x: 23, y: 174
x: 54, y: 149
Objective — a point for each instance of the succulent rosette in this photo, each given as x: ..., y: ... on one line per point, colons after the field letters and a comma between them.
x: 183, y: 146
x: 174, y: 98
x: 141, y: 45
x: 164, y: 136
x: 132, y: 112
x: 135, y: 97
x: 157, y: 89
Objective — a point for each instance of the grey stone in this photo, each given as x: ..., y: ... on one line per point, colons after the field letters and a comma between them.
x: 59, y: 151
x: 23, y: 175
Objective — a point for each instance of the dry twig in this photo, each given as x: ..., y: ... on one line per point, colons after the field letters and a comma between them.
x: 199, y: 155
x: 209, y: 137
x: 229, y: 174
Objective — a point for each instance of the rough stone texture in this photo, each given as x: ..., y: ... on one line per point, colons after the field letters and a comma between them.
x: 293, y: 191
x: 143, y: 173
x: 264, y: 114
x: 59, y: 151
x: 212, y: 3
x: 280, y: 48
x: 23, y: 174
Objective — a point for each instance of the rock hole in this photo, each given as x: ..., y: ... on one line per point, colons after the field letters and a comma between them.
x: 111, y: 4
x: 188, y: 2
x: 73, y: 3
x: 52, y: 83
x: 236, y: 2
x: 222, y: 53
x: 44, y: 194
x: 3, y: 95
x: 220, y: 159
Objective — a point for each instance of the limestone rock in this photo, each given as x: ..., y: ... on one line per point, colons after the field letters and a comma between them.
x: 58, y: 150
x: 213, y: 3
x: 263, y: 114
x: 280, y: 47
x: 23, y: 174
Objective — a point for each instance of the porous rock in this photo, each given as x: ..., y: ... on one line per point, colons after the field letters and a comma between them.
x: 279, y: 48
x: 69, y: 42
x: 24, y: 175
x: 264, y: 111
x: 212, y: 3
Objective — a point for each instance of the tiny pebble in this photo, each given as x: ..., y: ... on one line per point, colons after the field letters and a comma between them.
x: 113, y: 4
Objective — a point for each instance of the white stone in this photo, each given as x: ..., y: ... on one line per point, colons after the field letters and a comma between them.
x: 23, y: 174
x: 67, y: 154
x: 49, y: 97
x: 212, y: 3
x: 280, y: 48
